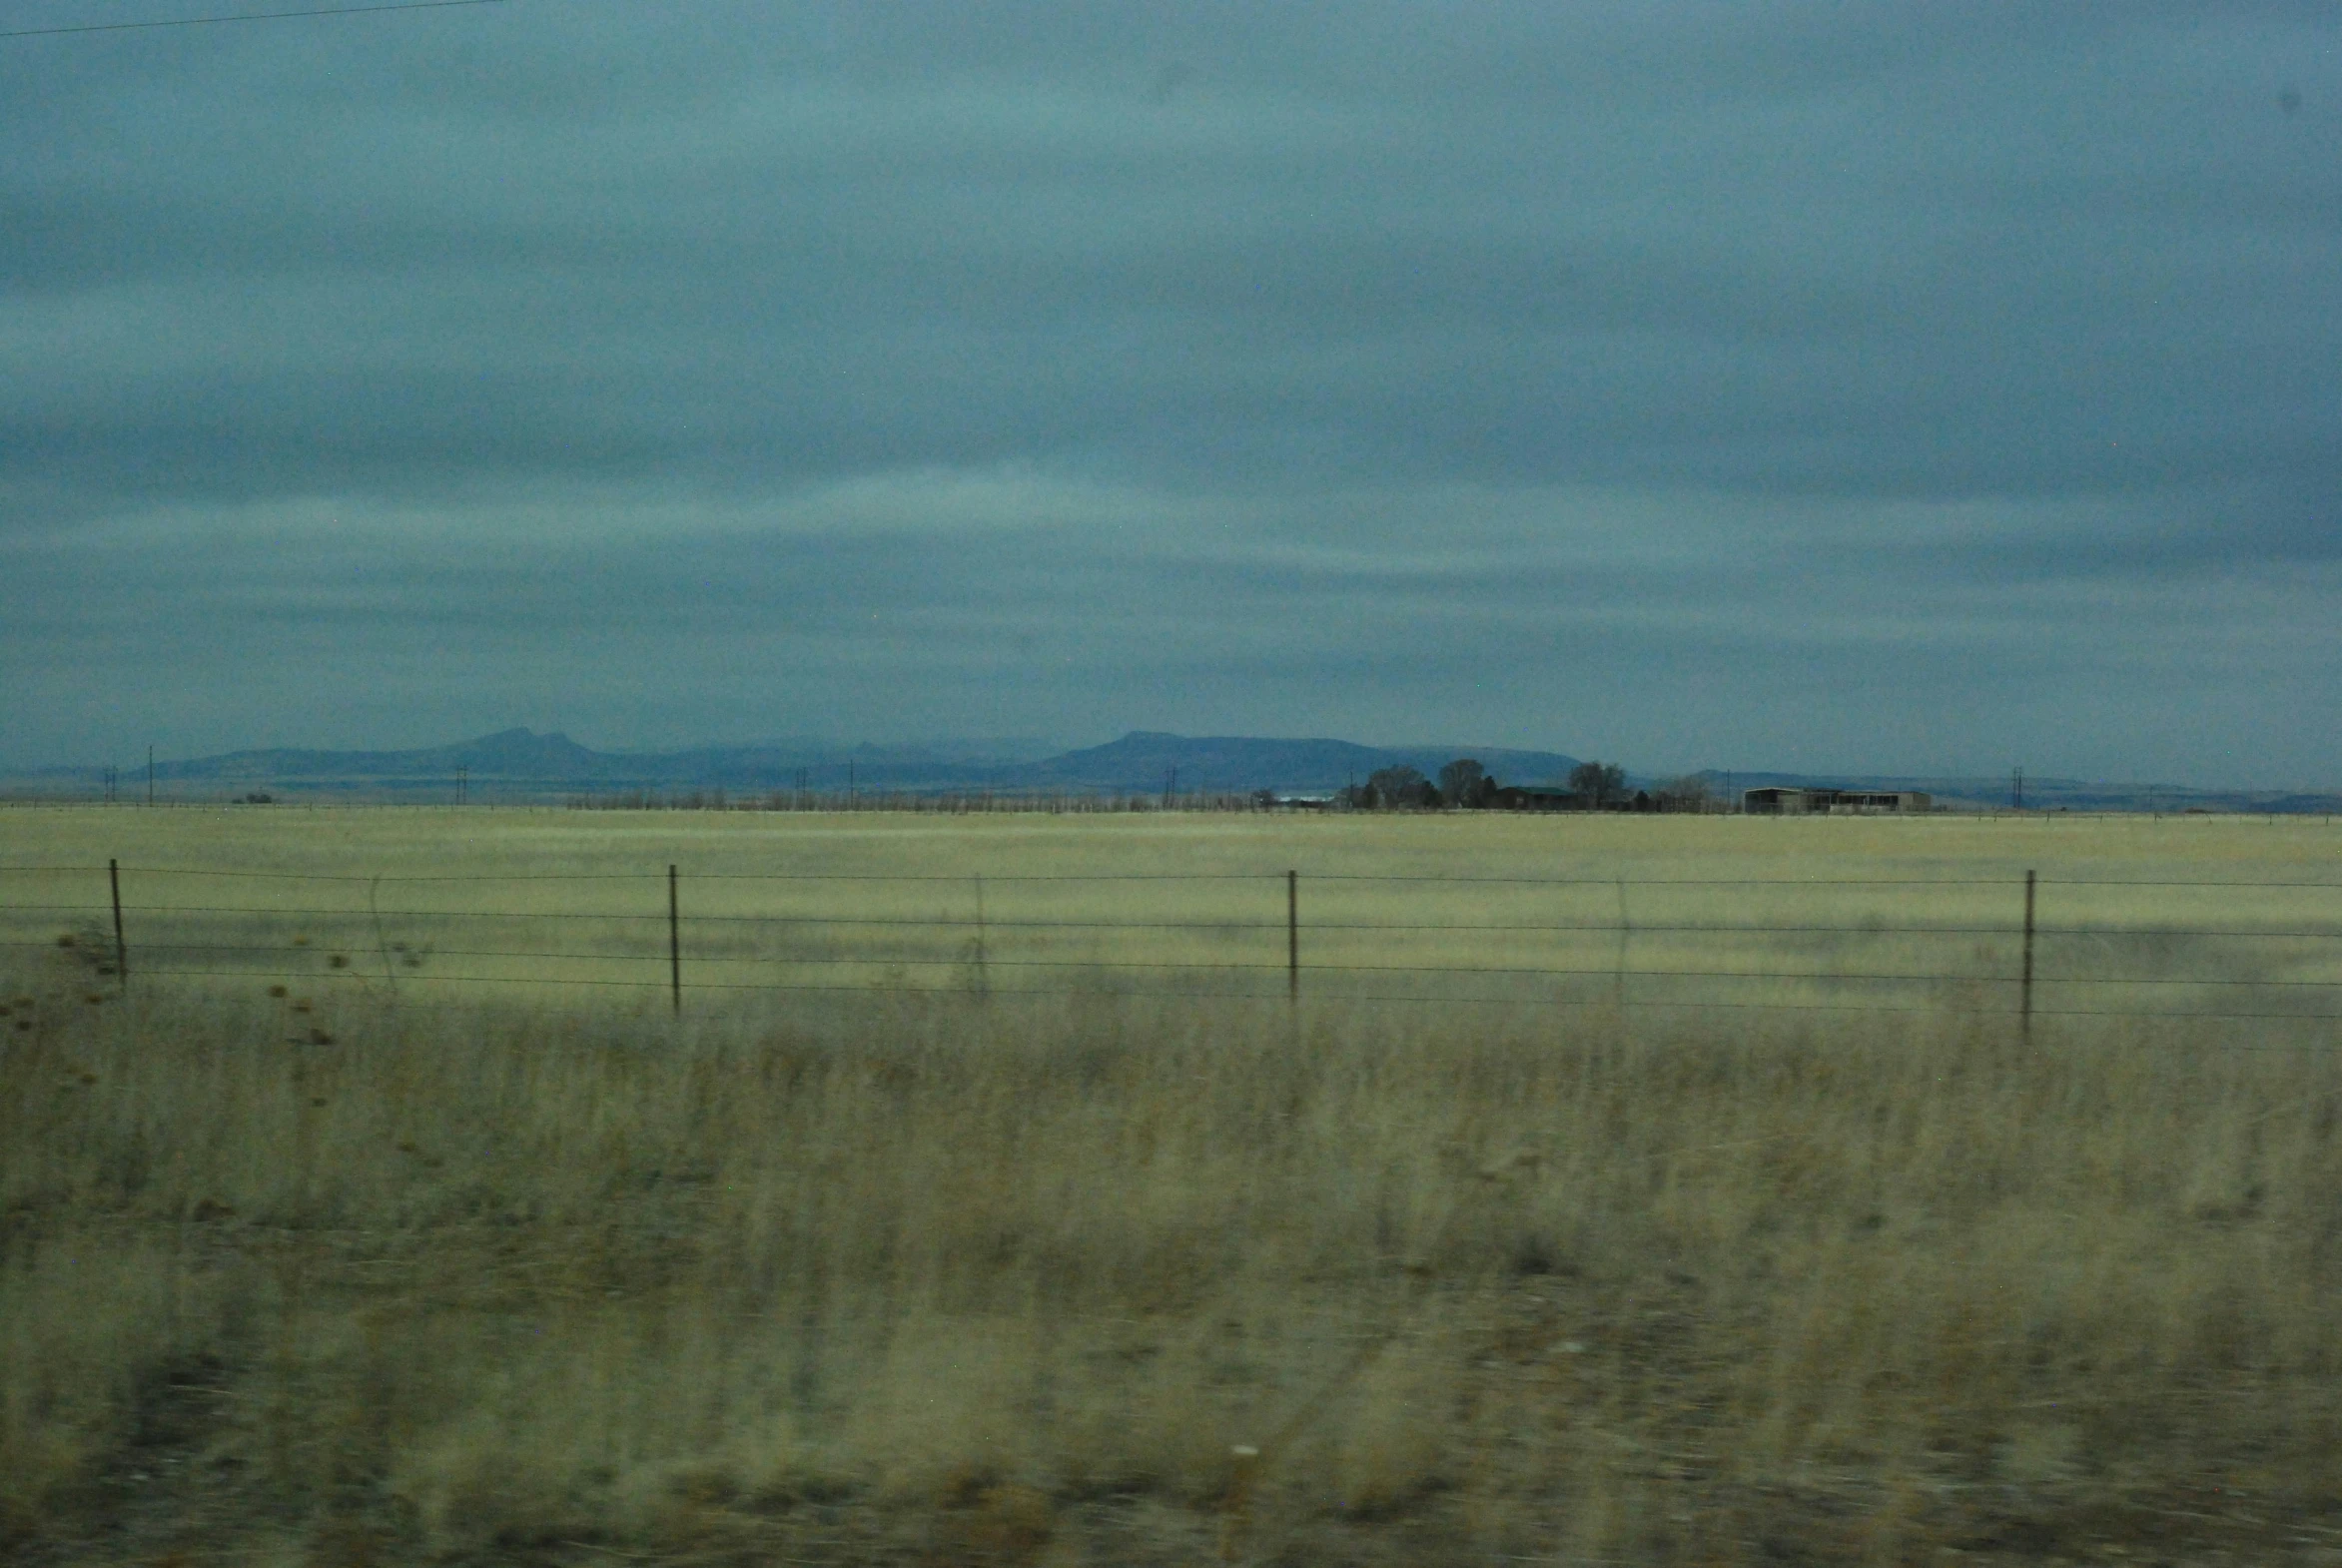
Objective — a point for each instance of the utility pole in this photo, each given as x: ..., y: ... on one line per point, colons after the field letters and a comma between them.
x: 150, y: 775
x: 2016, y: 789
x: 463, y: 785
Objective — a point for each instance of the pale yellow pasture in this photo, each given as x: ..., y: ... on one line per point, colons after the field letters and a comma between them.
x: 2238, y: 916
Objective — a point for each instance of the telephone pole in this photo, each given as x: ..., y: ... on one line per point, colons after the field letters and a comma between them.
x: 150, y: 775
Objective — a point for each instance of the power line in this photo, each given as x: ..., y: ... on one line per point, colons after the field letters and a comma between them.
x: 243, y: 16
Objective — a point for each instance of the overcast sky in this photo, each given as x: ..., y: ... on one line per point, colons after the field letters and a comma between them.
x: 1919, y: 386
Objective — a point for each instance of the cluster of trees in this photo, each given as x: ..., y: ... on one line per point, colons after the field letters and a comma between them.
x: 1464, y: 784
x: 1599, y: 782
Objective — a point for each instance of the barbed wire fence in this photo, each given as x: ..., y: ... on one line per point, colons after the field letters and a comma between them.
x: 2031, y: 947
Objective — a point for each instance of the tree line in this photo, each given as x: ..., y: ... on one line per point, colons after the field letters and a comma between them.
x: 1465, y: 785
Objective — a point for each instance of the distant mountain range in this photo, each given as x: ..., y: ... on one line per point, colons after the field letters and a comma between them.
x: 519, y: 764
x: 523, y: 762
x: 1152, y: 760
x: 2050, y: 794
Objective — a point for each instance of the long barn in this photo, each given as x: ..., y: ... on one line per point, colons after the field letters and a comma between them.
x: 1788, y: 801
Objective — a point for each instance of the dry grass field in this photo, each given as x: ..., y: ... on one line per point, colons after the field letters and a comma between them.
x: 450, y: 1255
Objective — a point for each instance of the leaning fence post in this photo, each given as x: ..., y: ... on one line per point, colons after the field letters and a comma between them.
x: 1292, y: 935
x: 120, y: 952
x: 674, y: 943
x: 2025, y: 996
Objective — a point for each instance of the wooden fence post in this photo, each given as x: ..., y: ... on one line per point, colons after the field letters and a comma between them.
x: 121, y: 950
x: 1292, y: 935
x: 674, y: 943
x: 2025, y: 1000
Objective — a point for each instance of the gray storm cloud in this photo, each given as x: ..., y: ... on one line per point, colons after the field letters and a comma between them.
x: 1913, y: 387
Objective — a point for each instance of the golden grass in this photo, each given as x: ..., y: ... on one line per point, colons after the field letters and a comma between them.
x: 569, y: 908
x: 833, y: 1278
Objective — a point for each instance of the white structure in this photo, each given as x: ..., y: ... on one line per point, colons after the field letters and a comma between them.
x: 1787, y: 800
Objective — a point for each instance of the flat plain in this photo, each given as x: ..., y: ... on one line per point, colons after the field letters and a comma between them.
x: 1617, y: 1190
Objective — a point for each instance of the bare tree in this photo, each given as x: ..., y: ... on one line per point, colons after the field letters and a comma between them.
x: 1599, y: 782
x: 1464, y: 782
x: 1400, y: 787
x: 1690, y: 793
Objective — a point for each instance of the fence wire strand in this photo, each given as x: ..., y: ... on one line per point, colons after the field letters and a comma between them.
x: 353, y: 966
x: 952, y: 877
x: 1117, y: 992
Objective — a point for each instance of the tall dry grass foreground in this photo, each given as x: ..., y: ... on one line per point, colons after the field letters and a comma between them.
x: 1086, y: 1280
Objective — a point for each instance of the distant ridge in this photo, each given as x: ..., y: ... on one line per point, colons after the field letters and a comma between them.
x: 2046, y: 794
x: 512, y: 753
x: 523, y: 757
x: 1147, y: 759
x: 519, y: 764
x: 1143, y: 761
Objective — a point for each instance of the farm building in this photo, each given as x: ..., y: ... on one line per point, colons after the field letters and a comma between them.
x: 1288, y: 800
x: 1553, y: 797
x: 1787, y: 800
x: 1776, y: 801
x: 1536, y: 797
x: 1863, y: 801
